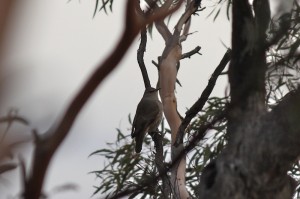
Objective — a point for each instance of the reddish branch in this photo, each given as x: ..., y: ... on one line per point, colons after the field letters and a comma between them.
x: 6, y: 7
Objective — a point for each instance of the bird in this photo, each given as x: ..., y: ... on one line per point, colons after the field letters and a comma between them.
x: 147, y: 117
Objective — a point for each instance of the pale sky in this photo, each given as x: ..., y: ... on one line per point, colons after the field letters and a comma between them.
x: 53, y: 46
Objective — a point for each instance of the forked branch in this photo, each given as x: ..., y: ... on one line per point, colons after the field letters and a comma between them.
x: 47, y: 144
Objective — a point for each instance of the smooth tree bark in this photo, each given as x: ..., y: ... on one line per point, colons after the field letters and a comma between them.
x: 262, y: 144
x: 168, y: 68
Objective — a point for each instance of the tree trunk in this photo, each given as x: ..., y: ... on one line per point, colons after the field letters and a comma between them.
x: 262, y: 145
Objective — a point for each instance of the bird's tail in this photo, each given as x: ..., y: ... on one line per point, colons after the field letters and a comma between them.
x: 139, y: 139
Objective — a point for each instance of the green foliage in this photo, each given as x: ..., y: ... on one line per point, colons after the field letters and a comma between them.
x: 212, y: 144
x: 125, y: 170
x: 218, y: 6
x: 103, y: 5
x: 283, y: 73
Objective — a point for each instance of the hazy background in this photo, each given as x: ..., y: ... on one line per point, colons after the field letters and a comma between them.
x: 51, y: 48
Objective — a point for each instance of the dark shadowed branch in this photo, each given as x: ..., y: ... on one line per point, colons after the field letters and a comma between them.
x: 157, y: 137
x: 191, y: 53
x: 140, y: 58
x: 262, y: 144
x: 198, y: 105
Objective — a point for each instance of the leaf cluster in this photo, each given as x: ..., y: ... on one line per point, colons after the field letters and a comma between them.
x: 103, y: 5
x: 218, y: 6
x: 283, y: 74
x: 125, y: 170
x: 212, y: 144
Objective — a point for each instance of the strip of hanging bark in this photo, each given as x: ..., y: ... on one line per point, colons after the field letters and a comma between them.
x: 140, y: 58
x: 47, y: 144
x: 199, y: 104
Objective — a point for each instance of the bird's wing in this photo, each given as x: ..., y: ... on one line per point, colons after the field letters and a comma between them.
x: 146, y: 113
x: 148, y: 109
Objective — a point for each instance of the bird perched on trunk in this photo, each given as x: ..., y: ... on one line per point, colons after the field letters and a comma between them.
x: 147, y: 117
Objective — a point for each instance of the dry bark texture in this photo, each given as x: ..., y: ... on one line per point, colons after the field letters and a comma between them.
x: 262, y: 144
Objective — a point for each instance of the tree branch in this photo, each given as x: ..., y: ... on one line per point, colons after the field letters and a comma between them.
x: 257, y: 159
x: 163, y: 30
x: 140, y: 58
x: 191, y: 53
x: 285, y: 117
x: 198, y: 105
x: 247, y: 68
x: 262, y: 18
x: 184, y: 19
x: 167, y: 80
x: 160, y: 24
x: 47, y: 144
x: 159, y: 162
x: 182, y: 153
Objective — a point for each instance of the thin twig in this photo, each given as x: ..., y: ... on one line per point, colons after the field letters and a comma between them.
x: 157, y: 137
x: 191, y: 53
